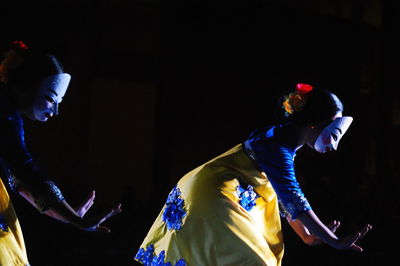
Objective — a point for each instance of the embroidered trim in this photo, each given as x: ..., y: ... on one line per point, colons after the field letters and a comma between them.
x: 174, y: 210
x: 149, y: 258
x: 247, y: 197
x: 54, y: 190
x: 297, y: 204
x: 12, y: 182
x: 282, y: 210
x: 48, y: 196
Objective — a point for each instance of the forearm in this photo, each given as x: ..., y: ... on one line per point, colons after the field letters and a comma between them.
x: 300, y: 230
x: 60, y: 211
x: 63, y: 212
x: 310, y: 220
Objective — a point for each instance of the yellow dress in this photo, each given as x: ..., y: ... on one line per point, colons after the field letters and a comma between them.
x: 12, y: 246
x: 224, y: 212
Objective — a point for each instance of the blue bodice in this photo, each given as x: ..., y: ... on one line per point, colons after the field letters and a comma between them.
x: 275, y: 150
x: 16, y: 162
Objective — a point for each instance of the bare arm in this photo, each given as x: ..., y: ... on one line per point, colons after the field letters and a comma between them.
x: 63, y: 212
x: 312, y: 223
x: 302, y: 231
x: 26, y: 179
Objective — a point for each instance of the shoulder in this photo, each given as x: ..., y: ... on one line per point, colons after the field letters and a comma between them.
x: 273, y: 148
x: 274, y: 140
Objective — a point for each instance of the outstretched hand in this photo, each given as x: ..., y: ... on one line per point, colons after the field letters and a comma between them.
x: 310, y: 221
x: 314, y: 240
x: 94, y: 222
x: 349, y: 242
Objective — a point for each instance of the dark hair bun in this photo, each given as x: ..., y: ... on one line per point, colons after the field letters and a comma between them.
x: 317, y: 106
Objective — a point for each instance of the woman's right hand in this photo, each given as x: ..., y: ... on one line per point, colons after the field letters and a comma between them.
x: 349, y: 241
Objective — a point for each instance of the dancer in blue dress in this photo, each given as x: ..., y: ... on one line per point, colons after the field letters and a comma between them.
x: 227, y: 211
x: 32, y: 85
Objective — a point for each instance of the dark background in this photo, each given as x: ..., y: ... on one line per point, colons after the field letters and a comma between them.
x: 159, y: 87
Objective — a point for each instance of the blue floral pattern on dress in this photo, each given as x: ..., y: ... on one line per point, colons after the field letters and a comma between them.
x: 12, y: 182
x: 174, y: 210
x: 247, y: 197
x: 3, y: 224
x: 149, y: 258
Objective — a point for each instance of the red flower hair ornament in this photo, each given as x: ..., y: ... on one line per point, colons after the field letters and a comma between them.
x: 295, y: 101
x: 12, y: 60
x: 303, y: 88
x: 19, y: 45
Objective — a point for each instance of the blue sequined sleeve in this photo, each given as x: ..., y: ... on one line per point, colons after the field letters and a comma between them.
x: 277, y: 162
x: 18, y: 166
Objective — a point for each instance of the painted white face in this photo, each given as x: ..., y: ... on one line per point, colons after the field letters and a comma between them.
x: 330, y: 136
x: 50, y: 93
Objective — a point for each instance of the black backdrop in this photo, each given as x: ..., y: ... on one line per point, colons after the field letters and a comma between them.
x: 212, y: 74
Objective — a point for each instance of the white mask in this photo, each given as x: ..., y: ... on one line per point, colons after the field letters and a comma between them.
x: 50, y: 94
x: 331, y: 135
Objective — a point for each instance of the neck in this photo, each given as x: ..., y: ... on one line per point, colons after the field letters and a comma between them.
x: 303, y: 134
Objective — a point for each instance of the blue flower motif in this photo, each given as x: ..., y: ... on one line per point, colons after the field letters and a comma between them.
x: 12, y: 182
x: 160, y: 259
x: 3, y: 224
x: 247, y: 197
x: 181, y: 262
x: 149, y: 258
x: 174, y: 210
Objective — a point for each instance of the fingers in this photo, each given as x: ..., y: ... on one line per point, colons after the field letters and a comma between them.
x: 356, y: 236
x: 91, y: 196
x: 333, y: 226
x: 356, y: 248
x: 98, y: 228
x: 348, y: 241
x: 102, y: 228
x: 90, y: 200
x: 353, y: 238
x: 95, y: 223
x: 114, y: 211
x: 365, y: 230
x: 90, y: 203
x: 111, y: 213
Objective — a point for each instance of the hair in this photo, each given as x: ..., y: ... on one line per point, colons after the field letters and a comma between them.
x: 319, y: 107
x: 21, y: 69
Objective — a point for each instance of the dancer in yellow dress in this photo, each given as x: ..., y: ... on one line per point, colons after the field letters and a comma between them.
x: 33, y: 85
x: 227, y: 211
